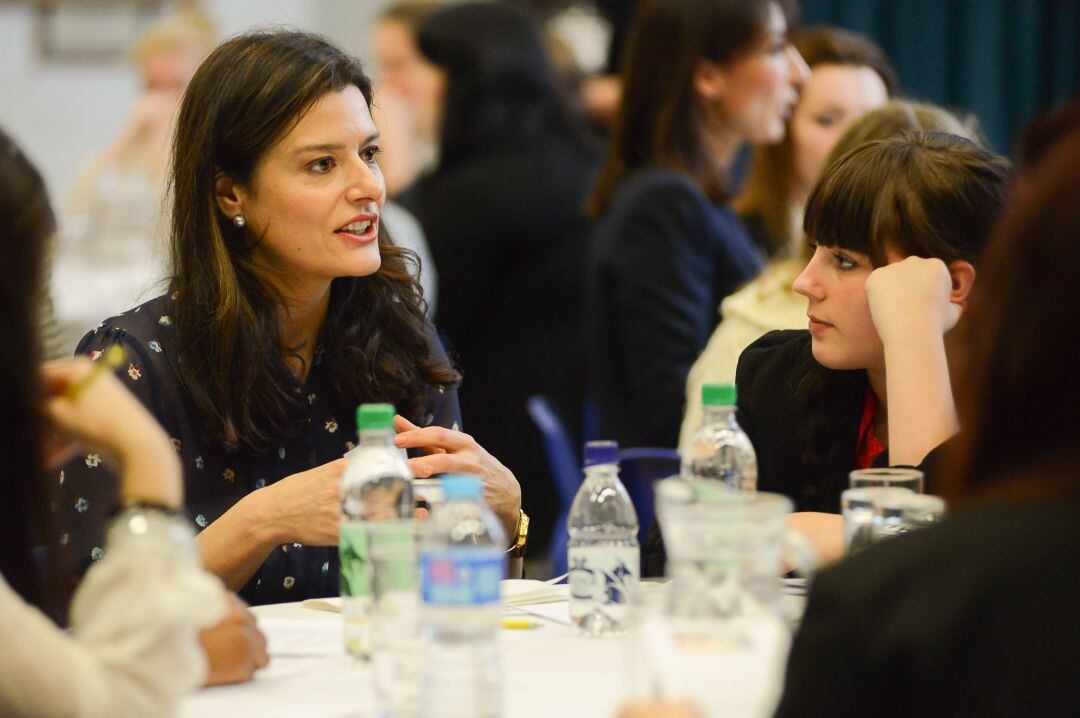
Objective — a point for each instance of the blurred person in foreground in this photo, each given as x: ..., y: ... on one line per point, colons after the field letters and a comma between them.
x: 134, y: 645
x: 769, y: 302
x: 701, y: 78
x: 289, y: 305
x: 503, y: 211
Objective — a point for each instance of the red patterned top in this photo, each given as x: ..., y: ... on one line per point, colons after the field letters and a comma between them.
x: 869, y: 447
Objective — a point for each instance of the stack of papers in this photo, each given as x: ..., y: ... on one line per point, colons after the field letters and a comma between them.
x: 515, y: 592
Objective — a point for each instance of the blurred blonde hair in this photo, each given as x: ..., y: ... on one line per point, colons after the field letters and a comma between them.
x: 188, y: 26
x: 894, y: 118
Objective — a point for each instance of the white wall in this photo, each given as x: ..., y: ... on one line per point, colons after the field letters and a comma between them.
x: 63, y: 114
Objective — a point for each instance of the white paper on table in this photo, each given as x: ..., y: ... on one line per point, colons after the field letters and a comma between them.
x: 523, y: 591
x: 514, y: 592
x: 300, y: 637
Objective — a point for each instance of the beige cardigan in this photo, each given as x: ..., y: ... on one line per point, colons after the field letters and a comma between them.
x: 767, y: 303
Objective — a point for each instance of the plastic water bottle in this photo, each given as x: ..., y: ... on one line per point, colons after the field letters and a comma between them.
x: 602, y: 553
x: 376, y: 507
x: 462, y: 561
x: 720, y: 450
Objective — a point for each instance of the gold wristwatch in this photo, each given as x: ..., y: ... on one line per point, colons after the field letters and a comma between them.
x: 521, y: 537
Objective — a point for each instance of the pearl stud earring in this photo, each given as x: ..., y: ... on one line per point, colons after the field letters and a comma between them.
x: 239, y: 220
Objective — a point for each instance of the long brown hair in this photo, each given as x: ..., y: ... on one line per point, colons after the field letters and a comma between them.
x: 659, y: 119
x: 245, y: 96
x: 1018, y: 391
x: 768, y: 189
x: 28, y: 224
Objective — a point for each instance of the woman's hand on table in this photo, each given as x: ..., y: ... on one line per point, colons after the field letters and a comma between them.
x: 303, y: 508
x: 824, y: 531
x: 235, y: 648
x: 450, y: 451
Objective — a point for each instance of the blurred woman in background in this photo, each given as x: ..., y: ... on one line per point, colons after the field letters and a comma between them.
x: 701, y: 77
x: 407, y: 90
x: 114, y: 249
x: 503, y: 212
x: 849, y: 76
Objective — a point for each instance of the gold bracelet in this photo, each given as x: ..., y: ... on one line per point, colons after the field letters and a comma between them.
x: 521, y: 536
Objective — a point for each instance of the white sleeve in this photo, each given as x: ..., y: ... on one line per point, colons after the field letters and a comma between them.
x: 133, y: 649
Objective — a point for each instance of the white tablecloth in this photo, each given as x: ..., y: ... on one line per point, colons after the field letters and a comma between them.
x: 550, y: 672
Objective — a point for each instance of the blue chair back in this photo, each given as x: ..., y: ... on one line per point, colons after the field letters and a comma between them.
x: 638, y: 469
x: 565, y: 466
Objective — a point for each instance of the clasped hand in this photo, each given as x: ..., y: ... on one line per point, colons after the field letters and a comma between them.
x: 305, y: 507
x: 452, y: 451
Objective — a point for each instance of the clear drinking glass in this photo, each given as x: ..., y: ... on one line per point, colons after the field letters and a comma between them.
x: 723, y: 547
x: 396, y: 655
x: 905, y: 514
x: 891, y: 477
x: 698, y: 658
x: 860, y: 506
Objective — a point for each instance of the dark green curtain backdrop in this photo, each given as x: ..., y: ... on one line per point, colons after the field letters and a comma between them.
x: 1003, y: 60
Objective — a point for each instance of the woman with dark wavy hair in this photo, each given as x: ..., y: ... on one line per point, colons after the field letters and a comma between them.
x: 289, y: 305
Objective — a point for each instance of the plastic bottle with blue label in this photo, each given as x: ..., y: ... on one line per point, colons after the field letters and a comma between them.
x: 376, y: 510
x: 602, y: 553
x: 462, y: 561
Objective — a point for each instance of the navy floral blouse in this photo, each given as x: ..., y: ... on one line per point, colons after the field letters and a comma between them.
x: 214, y: 480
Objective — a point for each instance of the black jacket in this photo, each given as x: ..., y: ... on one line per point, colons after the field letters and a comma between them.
x: 662, y: 258
x: 774, y: 415
x: 975, y: 617
x: 810, y: 467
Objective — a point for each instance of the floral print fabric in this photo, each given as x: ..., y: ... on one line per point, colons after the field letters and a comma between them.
x: 214, y: 480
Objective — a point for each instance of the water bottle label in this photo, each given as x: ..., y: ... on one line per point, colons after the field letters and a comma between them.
x: 355, y: 575
x: 392, y: 554
x: 462, y: 576
x: 603, y: 574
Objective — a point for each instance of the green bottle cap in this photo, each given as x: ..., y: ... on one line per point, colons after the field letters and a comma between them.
x: 375, y: 416
x: 719, y: 394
